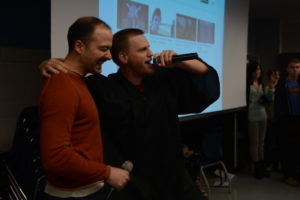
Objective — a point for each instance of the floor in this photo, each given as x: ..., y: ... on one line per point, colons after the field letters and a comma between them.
x: 245, y: 187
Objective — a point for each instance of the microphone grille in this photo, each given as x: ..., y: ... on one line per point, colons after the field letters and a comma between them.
x: 127, y: 165
x: 156, y: 60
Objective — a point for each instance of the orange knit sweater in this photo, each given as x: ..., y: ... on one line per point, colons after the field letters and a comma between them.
x: 71, y: 145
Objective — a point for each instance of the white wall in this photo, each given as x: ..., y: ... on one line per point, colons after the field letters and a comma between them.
x: 235, y: 45
x: 19, y: 85
x: 63, y: 14
x: 235, y: 52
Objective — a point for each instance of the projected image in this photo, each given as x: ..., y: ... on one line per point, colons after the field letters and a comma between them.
x: 185, y: 27
x: 157, y: 27
x: 172, y: 24
x: 132, y: 15
x: 206, y: 32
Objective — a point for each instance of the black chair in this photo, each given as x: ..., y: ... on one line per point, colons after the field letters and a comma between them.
x: 203, y: 157
x: 23, y: 163
x: 211, y: 149
x: 9, y: 187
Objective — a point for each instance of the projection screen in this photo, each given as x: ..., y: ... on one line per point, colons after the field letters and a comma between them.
x: 215, y: 29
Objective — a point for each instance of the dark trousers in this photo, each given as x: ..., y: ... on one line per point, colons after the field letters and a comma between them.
x: 289, y: 138
x: 272, y: 151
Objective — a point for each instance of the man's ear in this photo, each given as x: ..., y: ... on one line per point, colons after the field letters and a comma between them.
x: 123, y: 57
x: 79, y: 46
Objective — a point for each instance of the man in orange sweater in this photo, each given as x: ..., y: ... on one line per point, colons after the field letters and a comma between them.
x: 71, y: 145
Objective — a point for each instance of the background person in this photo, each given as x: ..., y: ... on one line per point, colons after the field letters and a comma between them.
x: 287, y: 118
x: 271, y: 141
x: 257, y: 119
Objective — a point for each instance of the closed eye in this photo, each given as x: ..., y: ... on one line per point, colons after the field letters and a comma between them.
x: 104, y: 48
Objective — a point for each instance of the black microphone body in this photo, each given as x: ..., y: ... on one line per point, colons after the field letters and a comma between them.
x: 178, y: 58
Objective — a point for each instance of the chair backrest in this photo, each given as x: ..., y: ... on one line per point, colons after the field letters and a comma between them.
x: 24, y: 158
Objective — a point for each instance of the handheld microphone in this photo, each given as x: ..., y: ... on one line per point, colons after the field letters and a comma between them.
x: 178, y: 58
x: 128, y: 166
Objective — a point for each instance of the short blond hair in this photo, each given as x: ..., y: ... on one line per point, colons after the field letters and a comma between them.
x: 294, y: 60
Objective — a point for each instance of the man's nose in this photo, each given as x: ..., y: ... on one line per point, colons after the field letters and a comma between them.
x: 150, y: 53
x: 108, y: 55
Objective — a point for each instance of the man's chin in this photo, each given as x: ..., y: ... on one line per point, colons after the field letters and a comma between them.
x: 97, y: 70
x: 149, y: 72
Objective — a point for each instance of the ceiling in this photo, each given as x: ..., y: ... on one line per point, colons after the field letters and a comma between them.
x: 283, y: 9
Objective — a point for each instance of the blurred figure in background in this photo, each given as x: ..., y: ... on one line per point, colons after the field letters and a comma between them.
x: 271, y: 142
x: 287, y: 118
x: 156, y: 21
x: 257, y: 118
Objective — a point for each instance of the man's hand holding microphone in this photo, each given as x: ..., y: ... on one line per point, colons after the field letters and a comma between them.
x: 118, y: 177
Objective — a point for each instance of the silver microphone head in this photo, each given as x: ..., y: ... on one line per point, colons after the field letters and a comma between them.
x: 127, y: 165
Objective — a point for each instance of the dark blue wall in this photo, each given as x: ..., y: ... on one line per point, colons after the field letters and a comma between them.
x: 25, y: 23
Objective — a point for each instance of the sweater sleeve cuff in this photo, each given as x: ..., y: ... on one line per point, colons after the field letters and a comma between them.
x: 107, y: 173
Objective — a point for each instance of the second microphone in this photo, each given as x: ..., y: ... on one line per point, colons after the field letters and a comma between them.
x: 177, y: 58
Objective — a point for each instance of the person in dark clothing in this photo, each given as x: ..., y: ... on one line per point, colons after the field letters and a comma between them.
x: 271, y: 141
x: 287, y: 118
x: 139, y: 107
